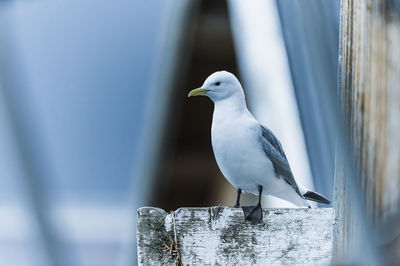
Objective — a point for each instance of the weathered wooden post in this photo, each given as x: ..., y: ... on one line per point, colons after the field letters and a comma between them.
x: 370, y: 93
x: 221, y: 236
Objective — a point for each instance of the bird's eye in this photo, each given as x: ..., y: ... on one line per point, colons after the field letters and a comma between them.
x: 217, y: 83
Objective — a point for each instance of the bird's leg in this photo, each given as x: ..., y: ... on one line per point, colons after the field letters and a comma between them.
x: 254, y: 213
x: 237, y: 204
x: 259, y: 196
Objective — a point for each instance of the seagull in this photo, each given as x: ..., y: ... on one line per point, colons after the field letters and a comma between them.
x: 248, y: 154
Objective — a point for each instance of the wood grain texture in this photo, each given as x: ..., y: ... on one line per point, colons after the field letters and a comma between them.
x: 370, y: 95
x: 221, y: 236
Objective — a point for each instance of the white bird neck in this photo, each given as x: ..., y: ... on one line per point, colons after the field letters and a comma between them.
x: 230, y: 107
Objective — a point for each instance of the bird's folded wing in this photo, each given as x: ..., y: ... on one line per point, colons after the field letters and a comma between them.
x: 274, y: 151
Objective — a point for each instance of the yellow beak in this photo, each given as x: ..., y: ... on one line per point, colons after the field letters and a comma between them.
x: 197, y: 92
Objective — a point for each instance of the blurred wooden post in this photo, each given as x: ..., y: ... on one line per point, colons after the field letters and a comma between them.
x: 370, y: 92
x: 221, y: 236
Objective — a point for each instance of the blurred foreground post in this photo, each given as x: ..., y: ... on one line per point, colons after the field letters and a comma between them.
x: 220, y: 236
x: 370, y: 95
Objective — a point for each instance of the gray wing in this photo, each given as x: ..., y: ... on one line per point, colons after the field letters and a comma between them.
x: 273, y: 149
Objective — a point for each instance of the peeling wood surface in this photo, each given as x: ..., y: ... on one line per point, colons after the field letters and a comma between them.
x: 370, y: 94
x: 221, y: 236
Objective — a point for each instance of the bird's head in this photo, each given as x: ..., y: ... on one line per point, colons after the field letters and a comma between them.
x: 219, y: 86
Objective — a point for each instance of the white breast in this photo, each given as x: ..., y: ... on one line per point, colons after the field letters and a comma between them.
x: 238, y: 152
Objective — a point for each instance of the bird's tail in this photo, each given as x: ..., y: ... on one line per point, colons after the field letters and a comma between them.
x: 313, y: 196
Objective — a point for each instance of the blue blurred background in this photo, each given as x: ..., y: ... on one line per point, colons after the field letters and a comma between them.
x: 95, y: 122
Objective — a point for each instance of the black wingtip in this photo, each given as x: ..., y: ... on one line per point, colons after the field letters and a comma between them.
x: 314, y: 196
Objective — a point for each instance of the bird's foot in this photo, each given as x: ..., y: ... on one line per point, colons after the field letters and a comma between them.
x: 236, y: 206
x: 252, y: 213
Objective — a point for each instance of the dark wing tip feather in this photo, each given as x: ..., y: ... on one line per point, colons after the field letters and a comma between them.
x: 314, y: 196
